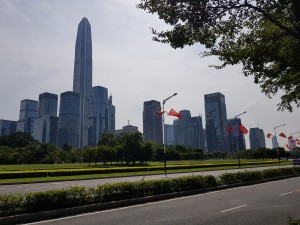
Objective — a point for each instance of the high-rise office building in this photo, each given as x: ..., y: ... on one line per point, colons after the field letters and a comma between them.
x: 236, y: 137
x: 68, y: 123
x: 188, y: 131
x: 47, y: 104
x: 169, y: 134
x: 98, y: 120
x: 216, y: 122
x: 28, y: 112
x: 152, y: 122
x: 257, y: 138
x: 111, y: 116
x: 82, y: 83
x: 7, y: 127
x: 45, y: 125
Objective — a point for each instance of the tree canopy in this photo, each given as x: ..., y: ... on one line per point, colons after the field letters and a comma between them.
x: 262, y: 35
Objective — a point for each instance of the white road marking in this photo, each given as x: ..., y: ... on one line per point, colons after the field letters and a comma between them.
x: 287, y: 193
x: 226, y: 210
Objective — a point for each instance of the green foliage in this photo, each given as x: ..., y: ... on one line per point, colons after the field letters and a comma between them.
x: 294, y: 222
x: 18, y: 139
x: 263, y: 36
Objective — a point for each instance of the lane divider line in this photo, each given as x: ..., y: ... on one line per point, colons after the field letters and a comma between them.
x: 287, y: 193
x: 226, y: 210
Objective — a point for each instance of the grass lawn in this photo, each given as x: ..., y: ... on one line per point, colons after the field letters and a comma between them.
x: 30, y: 167
x: 94, y: 176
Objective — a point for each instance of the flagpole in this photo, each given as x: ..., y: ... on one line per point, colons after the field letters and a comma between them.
x: 277, y: 142
x: 163, y: 130
x: 237, y: 143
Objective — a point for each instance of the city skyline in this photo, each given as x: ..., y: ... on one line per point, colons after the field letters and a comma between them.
x: 135, y: 69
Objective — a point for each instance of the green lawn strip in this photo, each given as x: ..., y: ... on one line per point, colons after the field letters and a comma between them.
x: 30, y: 167
x: 88, y: 171
x: 124, y: 174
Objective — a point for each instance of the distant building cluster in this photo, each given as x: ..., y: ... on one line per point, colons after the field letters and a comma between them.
x: 190, y: 132
x: 85, y: 113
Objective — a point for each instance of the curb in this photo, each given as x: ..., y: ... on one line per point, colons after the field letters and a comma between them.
x: 53, y: 214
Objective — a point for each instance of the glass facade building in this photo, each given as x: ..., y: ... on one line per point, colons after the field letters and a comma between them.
x: 236, y: 137
x: 28, y: 112
x: 152, y: 122
x: 82, y: 83
x: 188, y: 131
x: 7, y: 127
x: 45, y: 125
x: 68, y: 123
x: 98, y: 120
x: 257, y: 138
x: 216, y: 122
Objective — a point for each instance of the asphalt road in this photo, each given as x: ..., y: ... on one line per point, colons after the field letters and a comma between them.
x: 262, y: 204
x: 36, y: 187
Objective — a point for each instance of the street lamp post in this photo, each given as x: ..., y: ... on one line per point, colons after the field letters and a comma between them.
x: 163, y: 129
x: 277, y: 142
x: 237, y: 143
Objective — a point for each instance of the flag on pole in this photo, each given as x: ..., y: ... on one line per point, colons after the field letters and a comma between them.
x: 290, y: 138
x: 282, y: 135
x: 287, y: 147
x: 229, y: 129
x: 243, y: 129
x: 174, y: 113
x: 269, y: 135
x: 160, y: 112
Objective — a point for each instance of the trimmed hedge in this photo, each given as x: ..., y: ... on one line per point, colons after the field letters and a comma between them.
x: 74, y: 172
x: 78, y: 196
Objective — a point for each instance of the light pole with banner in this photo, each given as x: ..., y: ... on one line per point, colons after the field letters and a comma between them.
x: 277, y: 141
x: 236, y: 136
x: 163, y: 129
x: 292, y: 143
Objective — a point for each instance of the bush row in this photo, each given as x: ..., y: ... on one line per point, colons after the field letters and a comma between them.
x: 78, y: 196
x: 74, y: 172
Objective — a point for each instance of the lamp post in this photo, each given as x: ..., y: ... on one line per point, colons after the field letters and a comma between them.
x: 237, y: 143
x: 277, y: 141
x: 163, y: 129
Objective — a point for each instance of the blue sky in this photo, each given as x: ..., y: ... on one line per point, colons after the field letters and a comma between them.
x: 37, y: 42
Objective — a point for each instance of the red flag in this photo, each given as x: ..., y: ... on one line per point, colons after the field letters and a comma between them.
x: 243, y: 129
x: 297, y: 139
x: 269, y: 135
x: 174, y: 113
x: 298, y: 142
x: 282, y: 135
x: 290, y: 138
x: 160, y: 112
x: 287, y: 147
x: 229, y: 129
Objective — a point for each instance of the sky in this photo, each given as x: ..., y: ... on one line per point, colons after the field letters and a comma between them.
x: 37, y: 46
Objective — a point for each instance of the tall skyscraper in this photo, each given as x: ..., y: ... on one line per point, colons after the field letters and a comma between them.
x: 257, y: 138
x: 82, y: 83
x: 98, y: 120
x: 45, y: 125
x: 152, y: 122
x: 28, y: 112
x: 188, y: 131
x: 111, y: 116
x: 68, y: 123
x: 216, y: 122
x: 236, y: 137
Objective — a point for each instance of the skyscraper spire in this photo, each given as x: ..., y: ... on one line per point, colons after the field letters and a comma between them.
x: 82, y: 83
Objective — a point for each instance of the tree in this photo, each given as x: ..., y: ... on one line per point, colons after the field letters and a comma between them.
x: 18, y: 139
x: 107, y: 139
x: 262, y: 35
